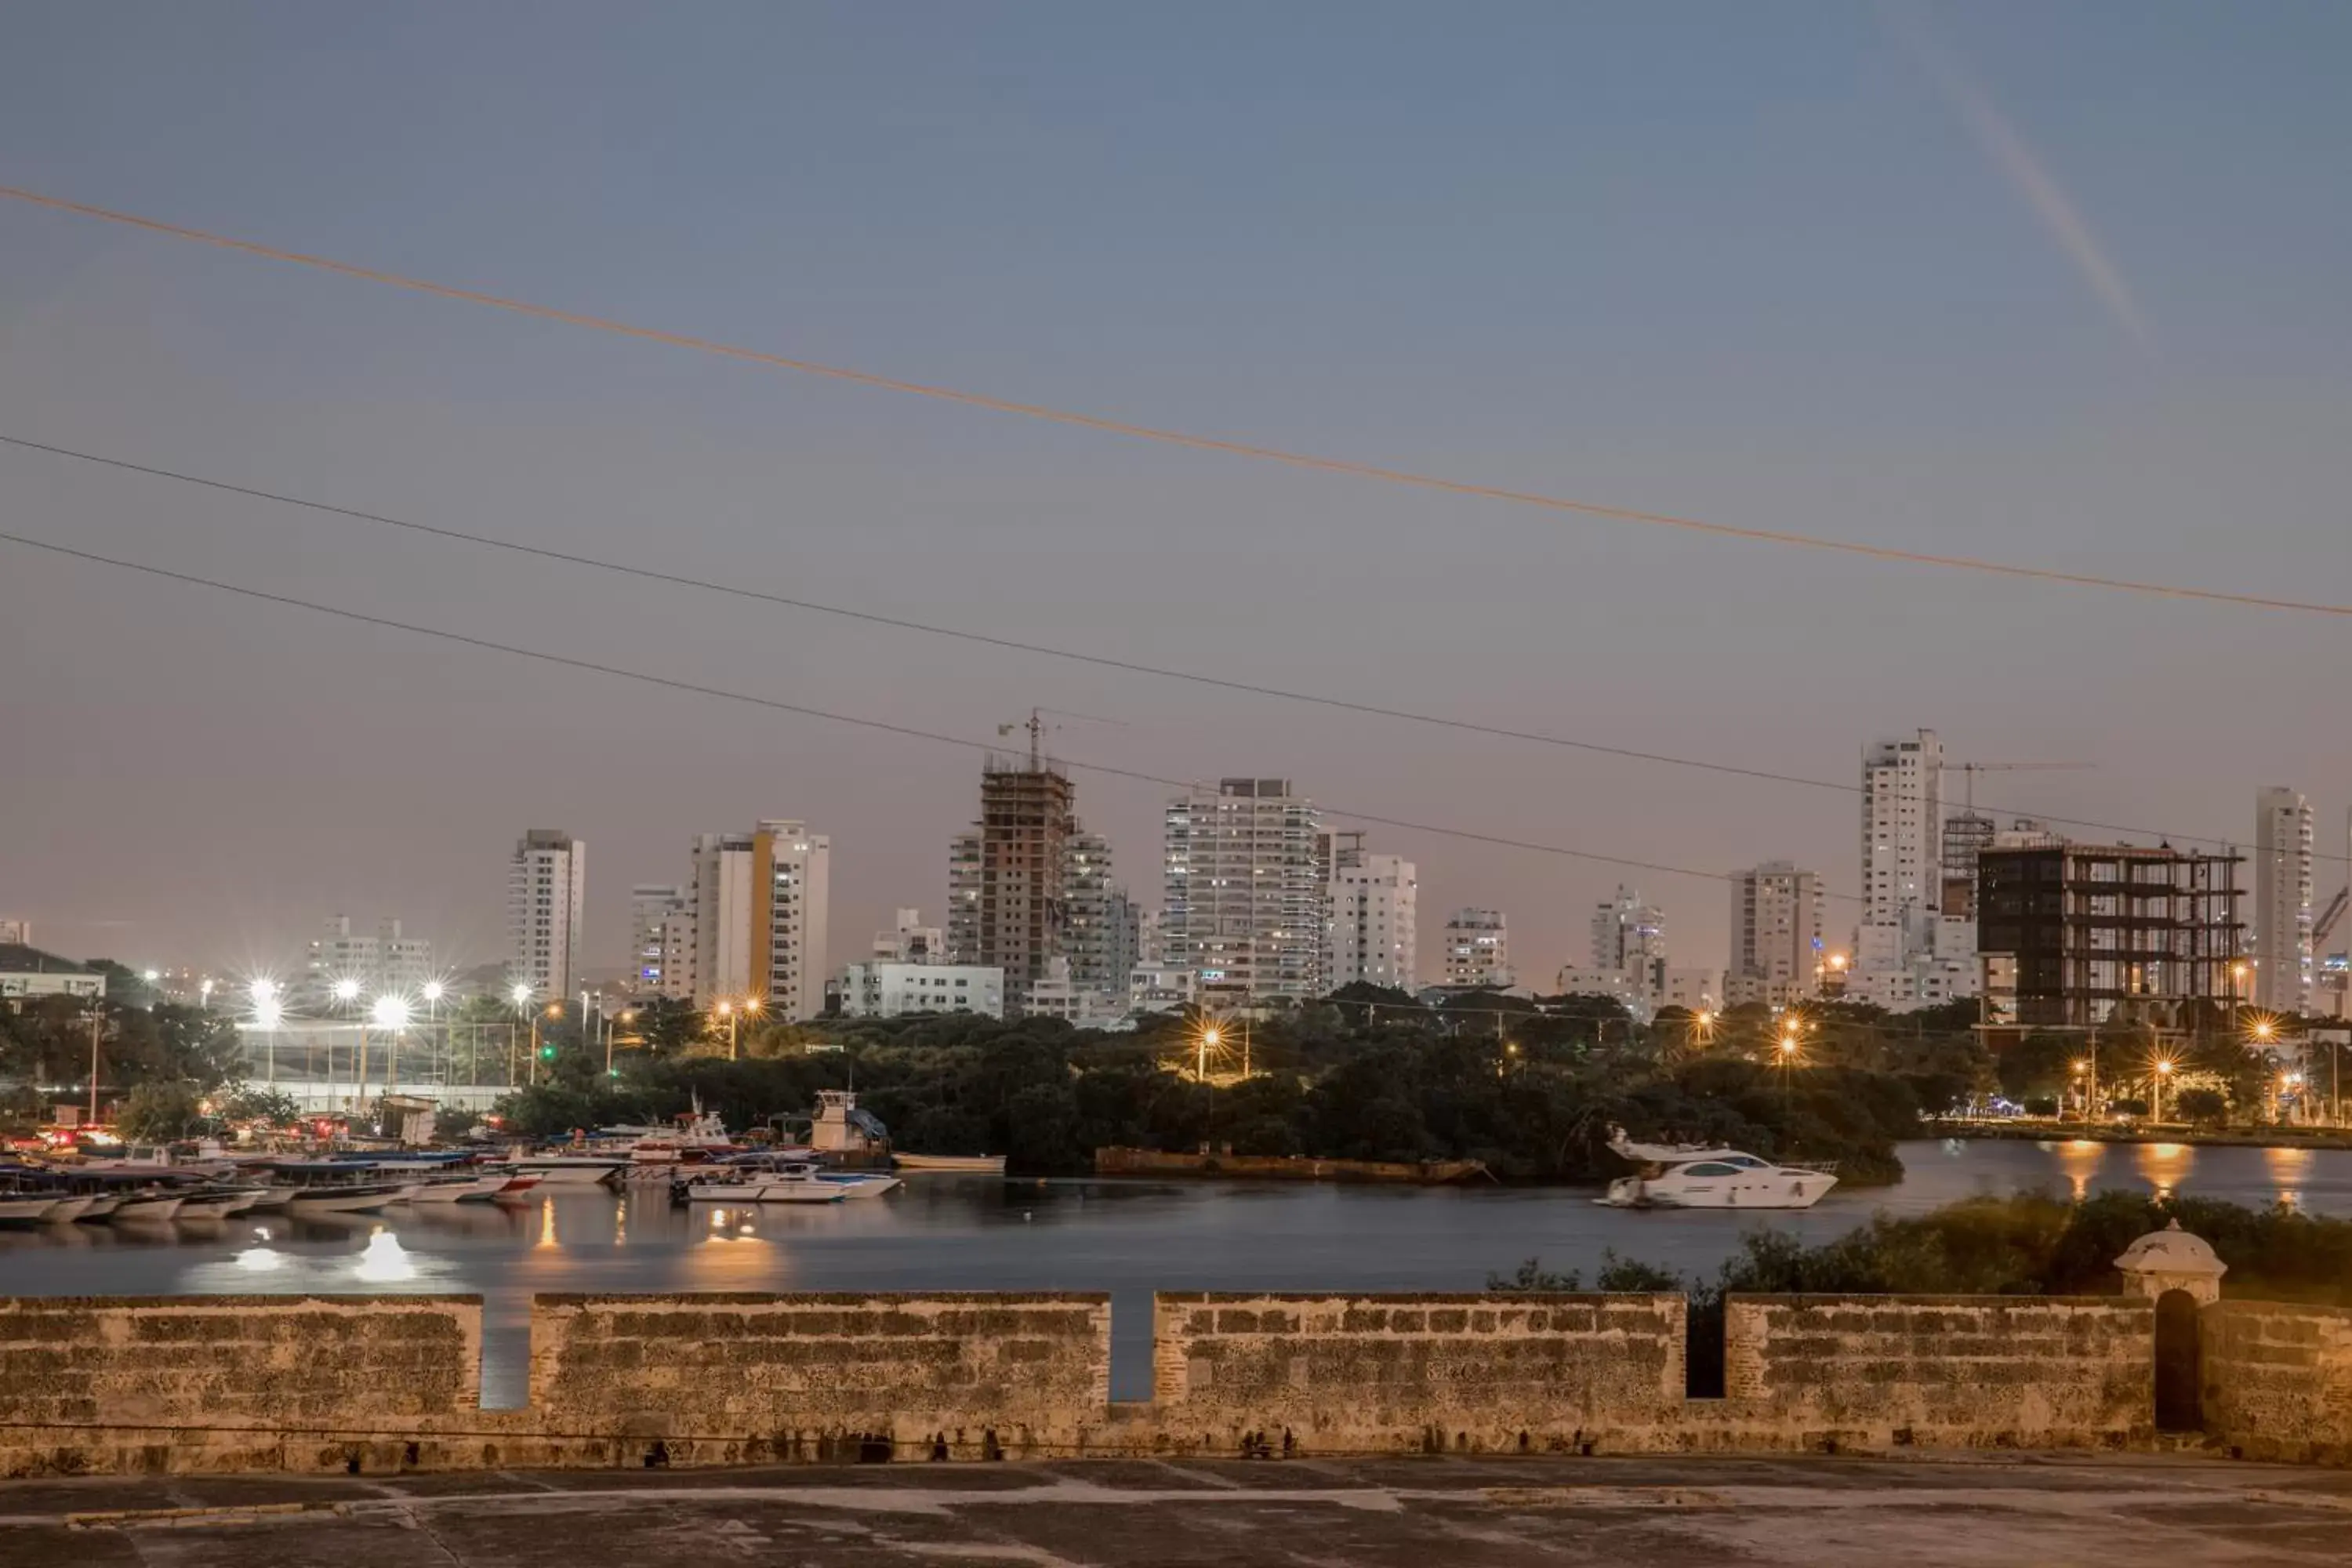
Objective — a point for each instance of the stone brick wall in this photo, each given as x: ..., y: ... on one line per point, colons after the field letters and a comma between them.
x: 106, y: 1383
x: 1351, y: 1375
x: 2278, y: 1379
x: 743, y: 1378
x: 1875, y: 1372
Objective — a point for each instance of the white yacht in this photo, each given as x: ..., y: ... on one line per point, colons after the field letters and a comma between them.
x: 762, y: 1181
x: 1688, y: 1176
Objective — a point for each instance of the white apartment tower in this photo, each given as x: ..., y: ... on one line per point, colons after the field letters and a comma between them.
x: 1375, y: 929
x: 1246, y: 890
x: 390, y: 962
x: 2284, y: 970
x: 761, y: 900
x: 1478, y: 950
x: 1775, y: 935
x: 547, y: 885
x: 909, y: 940
x: 661, y: 941
x: 1629, y: 938
x: 1902, y: 841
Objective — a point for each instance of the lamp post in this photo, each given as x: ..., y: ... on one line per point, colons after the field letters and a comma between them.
x: 267, y: 1013
x: 1208, y: 1039
x: 520, y: 997
x: 391, y: 1015
x: 435, y: 1041
x: 2163, y: 1072
x: 734, y: 1017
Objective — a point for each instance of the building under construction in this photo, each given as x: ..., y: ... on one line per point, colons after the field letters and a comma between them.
x: 2081, y: 935
x: 1008, y: 878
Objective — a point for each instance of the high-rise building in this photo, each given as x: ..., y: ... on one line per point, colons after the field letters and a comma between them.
x: 16, y: 933
x: 547, y: 885
x: 1966, y: 835
x: 1775, y: 935
x: 388, y: 964
x: 661, y: 941
x: 1100, y: 944
x: 1902, y: 848
x: 761, y: 900
x: 1375, y: 921
x: 1478, y: 950
x: 1008, y: 878
x: 1246, y: 890
x: 1630, y: 937
x: 2283, y: 970
x: 2077, y: 935
x: 791, y: 891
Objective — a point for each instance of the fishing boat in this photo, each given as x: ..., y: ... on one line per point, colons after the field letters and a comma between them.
x: 948, y: 1164
x: 1692, y: 1176
x: 339, y: 1186
x: 146, y: 1205
x: 25, y: 1201
x: 215, y: 1202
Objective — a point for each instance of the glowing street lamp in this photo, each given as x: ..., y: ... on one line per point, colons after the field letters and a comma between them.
x: 2163, y: 1072
x: 268, y: 1012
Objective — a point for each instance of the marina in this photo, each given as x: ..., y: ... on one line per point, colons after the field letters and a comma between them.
x: 1128, y: 1238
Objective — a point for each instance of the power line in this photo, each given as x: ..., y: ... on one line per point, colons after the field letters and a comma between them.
x: 1012, y: 644
x: 1152, y: 432
x: 883, y: 725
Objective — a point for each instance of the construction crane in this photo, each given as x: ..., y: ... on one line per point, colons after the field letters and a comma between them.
x: 1970, y: 771
x: 2322, y: 928
x: 1037, y: 726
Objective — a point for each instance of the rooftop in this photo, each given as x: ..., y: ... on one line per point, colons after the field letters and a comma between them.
x: 15, y: 958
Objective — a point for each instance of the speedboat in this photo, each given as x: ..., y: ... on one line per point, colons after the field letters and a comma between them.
x: 26, y: 1205
x: 760, y: 1180
x: 861, y: 1183
x: 466, y: 1189
x: 564, y: 1170
x: 1690, y: 1176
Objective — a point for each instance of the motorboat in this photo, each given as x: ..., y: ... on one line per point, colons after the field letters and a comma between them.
x: 469, y: 1188
x: 698, y: 1137
x: 557, y: 1169
x: 761, y: 1180
x: 948, y: 1164
x: 861, y: 1183
x: 1692, y: 1176
x: 215, y: 1202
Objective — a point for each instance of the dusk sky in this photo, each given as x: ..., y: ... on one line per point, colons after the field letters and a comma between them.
x: 2062, y: 285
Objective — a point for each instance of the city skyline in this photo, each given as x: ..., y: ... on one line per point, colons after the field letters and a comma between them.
x: 1937, y: 375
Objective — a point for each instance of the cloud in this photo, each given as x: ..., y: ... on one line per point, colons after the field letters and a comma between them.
x: 2017, y: 163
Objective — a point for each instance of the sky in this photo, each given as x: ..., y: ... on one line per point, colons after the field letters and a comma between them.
x: 2052, y: 284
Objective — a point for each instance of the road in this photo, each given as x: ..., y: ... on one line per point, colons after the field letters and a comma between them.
x: 1463, y: 1513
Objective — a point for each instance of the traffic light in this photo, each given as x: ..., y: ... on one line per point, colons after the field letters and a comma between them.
x: 547, y: 1053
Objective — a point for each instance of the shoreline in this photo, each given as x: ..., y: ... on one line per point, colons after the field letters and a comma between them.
x: 2332, y: 1138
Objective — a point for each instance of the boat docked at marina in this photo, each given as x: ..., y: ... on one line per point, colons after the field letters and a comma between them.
x: 340, y: 1187
x: 761, y: 1180
x: 1693, y: 1176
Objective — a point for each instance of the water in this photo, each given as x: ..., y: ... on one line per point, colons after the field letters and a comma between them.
x: 1130, y: 1239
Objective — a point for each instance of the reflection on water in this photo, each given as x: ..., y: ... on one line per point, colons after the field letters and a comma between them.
x: 2164, y: 1166
x: 2079, y: 1160
x: 2288, y: 1168
x: 385, y: 1262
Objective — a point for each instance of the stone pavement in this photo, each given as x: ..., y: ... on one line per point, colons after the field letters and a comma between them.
x: 2005, y: 1509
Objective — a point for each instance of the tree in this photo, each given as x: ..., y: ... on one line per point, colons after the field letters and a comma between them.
x: 160, y: 1111
x: 2204, y: 1106
x: 246, y: 1102
x: 2039, y: 1067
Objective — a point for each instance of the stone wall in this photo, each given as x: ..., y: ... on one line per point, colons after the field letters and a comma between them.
x: 2278, y: 1379
x: 743, y: 1378
x: 1339, y: 1375
x: 1875, y: 1372
x: 227, y: 1381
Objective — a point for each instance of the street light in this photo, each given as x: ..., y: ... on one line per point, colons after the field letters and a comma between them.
x: 2163, y: 1072
x: 268, y: 1012
x: 390, y: 1014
